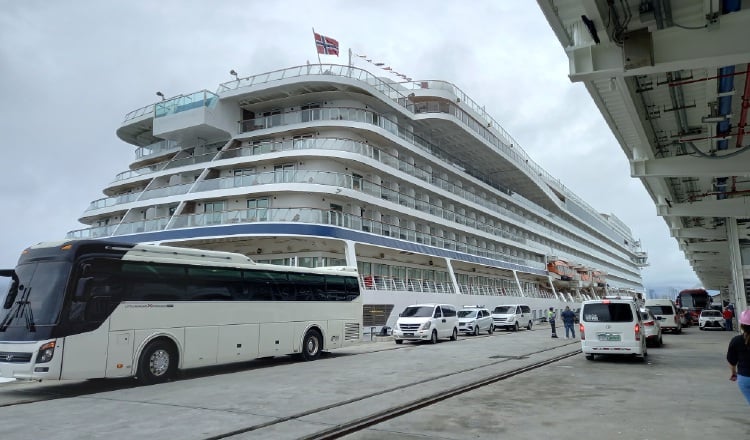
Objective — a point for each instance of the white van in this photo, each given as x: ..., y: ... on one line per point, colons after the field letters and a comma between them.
x: 426, y: 322
x: 512, y: 317
x: 612, y: 326
x: 666, y: 312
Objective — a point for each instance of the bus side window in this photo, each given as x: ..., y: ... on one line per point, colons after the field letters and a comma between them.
x: 260, y: 286
x: 336, y: 288
x: 212, y: 284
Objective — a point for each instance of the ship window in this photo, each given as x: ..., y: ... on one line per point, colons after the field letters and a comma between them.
x: 310, y: 112
x: 257, y: 209
x: 272, y: 118
x: 212, y: 212
x: 283, y: 173
x: 356, y: 182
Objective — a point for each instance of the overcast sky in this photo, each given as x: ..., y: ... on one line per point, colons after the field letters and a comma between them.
x: 71, y: 70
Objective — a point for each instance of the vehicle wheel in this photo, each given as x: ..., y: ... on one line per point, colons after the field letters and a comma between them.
x: 528, y: 327
x: 701, y: 328
x: 515, y: 327
x: 399, y: 341
x: 158, y: 363
x: 433, y: 337
x: 491, y: 330
x: 312, y: 345
x: 660, y: 342
x: 590, y: 357
x: 454, y: 336
x: 476, y: 330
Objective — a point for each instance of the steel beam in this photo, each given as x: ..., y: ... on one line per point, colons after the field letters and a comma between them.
x: 674, y: 49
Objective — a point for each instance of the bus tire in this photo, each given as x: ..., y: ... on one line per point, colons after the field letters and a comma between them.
x: 312, y: 345
x: 158, y: 362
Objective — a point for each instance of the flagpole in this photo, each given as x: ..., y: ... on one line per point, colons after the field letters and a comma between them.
x: 350, y: 57
x: 316, y: 47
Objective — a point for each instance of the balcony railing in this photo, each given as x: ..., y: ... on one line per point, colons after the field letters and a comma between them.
x: 302, y: 215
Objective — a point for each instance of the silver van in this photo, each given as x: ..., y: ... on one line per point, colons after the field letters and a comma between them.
x: 512, y: 317
x: 426, y: 322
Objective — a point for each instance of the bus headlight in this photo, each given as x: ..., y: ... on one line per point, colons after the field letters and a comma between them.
x: 45, y: 353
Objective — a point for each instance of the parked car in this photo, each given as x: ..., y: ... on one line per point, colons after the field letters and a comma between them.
x: 612, y: 325
x: 426, y: 322
x: 667, y: 314
x: 711, y: 319
x: 653, y: 328
x: 512, y: 317
x: 474, y: 320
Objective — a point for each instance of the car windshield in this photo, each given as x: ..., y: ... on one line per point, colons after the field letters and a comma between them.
x: 711, y: 313
x: 661, y: 310
x: 504, y: 310
x: 467, y: 313
x: 418, y: 312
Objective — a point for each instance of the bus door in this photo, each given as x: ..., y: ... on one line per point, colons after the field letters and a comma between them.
x: 90, y: 348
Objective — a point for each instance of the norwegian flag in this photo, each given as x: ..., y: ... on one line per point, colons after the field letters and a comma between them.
x: 326, y: 45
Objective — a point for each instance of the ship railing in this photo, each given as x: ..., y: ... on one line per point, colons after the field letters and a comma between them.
x: 369, y: 117
x: 95, y: 232
x: 392, y: 90
x: 137, y: 113
x: 347, y: 181
x: 107, y: 202
x: 157, y: 148
x: 181, y: 103
x: 395, y: 284
x: 337, y: 218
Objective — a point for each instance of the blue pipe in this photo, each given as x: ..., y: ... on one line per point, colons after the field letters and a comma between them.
x: 726, y: 84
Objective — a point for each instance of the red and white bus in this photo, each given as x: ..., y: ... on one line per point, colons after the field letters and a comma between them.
x: 693, y: 301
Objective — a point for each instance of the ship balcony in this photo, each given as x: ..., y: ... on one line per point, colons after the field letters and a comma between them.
x: 301, y: 215
x: 641, y: 259
x: 323, y: 178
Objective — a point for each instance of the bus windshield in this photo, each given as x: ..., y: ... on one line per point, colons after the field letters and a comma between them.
x: 35, y: 294
x: 694, y: 300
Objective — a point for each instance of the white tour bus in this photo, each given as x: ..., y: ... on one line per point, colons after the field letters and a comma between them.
x: 91, y: 309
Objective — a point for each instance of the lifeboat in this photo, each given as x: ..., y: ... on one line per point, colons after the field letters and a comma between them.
x: 561, y: 270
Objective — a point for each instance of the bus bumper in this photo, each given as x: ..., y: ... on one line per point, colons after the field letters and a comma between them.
x: 20, y: 360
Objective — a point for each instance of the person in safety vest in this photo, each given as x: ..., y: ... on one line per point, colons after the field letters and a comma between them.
x: 551, y: 320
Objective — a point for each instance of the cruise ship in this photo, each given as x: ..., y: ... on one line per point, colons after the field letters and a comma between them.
x: 328, y: 165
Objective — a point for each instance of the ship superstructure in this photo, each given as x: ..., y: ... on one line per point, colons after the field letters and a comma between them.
x: 327, y: 165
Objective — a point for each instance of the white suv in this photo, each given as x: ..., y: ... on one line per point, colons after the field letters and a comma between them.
x: 612, y: 326
x: 474, y: 320
x: 512, y: 317
x: 426, y: 322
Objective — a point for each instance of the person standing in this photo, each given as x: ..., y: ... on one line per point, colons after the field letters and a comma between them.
x: 551, y: 320
x: 569, y: 319
x: 728, y: 315
x: 738, y: 356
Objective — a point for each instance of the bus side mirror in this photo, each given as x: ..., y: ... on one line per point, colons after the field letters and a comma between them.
x: 12, y: 293
x: 85, y: 269
x: 83, y: 287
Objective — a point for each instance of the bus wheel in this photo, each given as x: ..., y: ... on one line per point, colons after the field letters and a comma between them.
x: 312, y: 345
x: 158, y: 363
